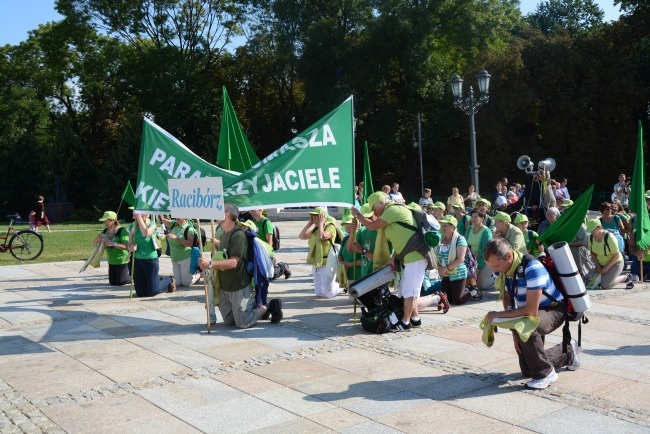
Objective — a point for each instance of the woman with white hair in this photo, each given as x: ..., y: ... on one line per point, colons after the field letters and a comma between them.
x: 552, y: 214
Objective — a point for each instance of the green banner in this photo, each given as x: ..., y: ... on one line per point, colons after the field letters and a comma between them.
x: 315, y: 168
x: 128, y: 195
x: 637, y: 202
x: 164, y: 157
x: 234, y: 152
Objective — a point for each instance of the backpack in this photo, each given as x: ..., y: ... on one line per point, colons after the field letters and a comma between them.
x: 570, y: 314
x: 377, y: 307
x: 204, y: 238
x: 338, y: 239
x: 591, y: 242
x: 423, y: 226
x: 258, y: 263
x: 471, y: 263
x: 276, y: 236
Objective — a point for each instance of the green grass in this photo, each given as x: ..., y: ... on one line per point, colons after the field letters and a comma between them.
x: 67, y: 242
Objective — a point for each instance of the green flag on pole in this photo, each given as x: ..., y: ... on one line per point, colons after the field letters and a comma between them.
x: 234, y: 152
x: 315, y: 168
x: 128, y: 196
x: 567, y: 225
x: 164, y: 157
x: 637, y: 201
x: 367, y: 175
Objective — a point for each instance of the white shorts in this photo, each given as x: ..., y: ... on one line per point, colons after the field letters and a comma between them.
x: 412, y: 277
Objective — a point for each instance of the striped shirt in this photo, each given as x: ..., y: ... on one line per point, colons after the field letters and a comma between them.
x: 535, y: 277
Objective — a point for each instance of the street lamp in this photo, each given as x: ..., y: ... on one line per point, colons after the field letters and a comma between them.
x: 470, y: 106
x: 417, y: 143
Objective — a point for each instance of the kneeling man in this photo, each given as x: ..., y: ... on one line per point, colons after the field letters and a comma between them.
x: 236, y: 294
x: 530, y: 291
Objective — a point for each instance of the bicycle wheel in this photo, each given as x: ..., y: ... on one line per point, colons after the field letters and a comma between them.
x: 26, y: 245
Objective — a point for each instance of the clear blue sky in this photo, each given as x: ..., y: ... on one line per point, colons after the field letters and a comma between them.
x: 17, y: 17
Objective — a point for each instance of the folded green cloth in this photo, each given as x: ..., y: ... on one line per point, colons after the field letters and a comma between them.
x: 523, y: 325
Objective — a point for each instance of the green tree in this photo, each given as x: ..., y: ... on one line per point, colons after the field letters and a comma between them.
x: 573, y: 16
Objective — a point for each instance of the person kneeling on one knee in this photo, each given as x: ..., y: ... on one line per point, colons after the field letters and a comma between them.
x: 529, y: 291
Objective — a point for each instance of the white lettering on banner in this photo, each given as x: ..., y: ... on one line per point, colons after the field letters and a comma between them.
x: 300, y: 142
x: 238, y: 188
x: 169, y: 163
x: 310, y: 179
x: 196, y: 199
x: 155, y: 199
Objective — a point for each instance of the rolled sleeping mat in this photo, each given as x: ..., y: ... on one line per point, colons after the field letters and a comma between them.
x: 570, y: 276
x: 371, y: 281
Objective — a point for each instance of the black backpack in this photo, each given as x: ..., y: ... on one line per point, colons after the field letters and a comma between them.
x: 377, y: 307
x: 204, y: 238
x: 276, y: 236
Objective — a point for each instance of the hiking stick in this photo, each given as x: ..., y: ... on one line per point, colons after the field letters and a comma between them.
x: 205, y: 277
x: 354, y: 269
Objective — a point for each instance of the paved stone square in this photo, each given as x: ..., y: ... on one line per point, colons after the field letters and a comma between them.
x: 79, y: 356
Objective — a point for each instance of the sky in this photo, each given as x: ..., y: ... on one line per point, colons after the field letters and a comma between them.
x: 20, y: 16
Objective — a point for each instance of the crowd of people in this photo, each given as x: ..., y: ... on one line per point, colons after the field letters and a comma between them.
x: 483, y: 245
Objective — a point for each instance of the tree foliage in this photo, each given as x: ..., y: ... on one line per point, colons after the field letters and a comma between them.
x: 564, y: 84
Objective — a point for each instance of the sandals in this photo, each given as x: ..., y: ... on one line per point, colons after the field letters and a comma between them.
x: 629, y: 283
x: 443, y: 304
x: 476, y: 294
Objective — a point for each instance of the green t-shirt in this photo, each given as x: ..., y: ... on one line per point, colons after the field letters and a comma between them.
x: 366, y: 238
x: 177, y: 251
x: 531, y: 236
x: 146, y: 249
x: 476, y: 242
x: 117, y: 256
x: 354, y: 273
x: 598, y: 248
x: 234, y: 244
x: 264, y: 227
x: 397, y: 234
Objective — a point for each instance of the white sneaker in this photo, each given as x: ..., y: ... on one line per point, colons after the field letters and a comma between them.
x: 543, y: 383
x: 576, y: 356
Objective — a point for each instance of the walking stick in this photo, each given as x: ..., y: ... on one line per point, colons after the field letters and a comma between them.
x: 205, y: 279
x: 131, y: 239
x: 354, y: 269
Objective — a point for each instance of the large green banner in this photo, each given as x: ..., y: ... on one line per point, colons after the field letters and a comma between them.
x: 315, y: 168
x: 164, y: 157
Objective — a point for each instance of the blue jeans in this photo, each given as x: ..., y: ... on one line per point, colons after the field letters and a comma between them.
x: 146, y: 280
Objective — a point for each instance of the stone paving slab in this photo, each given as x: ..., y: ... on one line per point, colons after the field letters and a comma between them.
x: 79, y: 356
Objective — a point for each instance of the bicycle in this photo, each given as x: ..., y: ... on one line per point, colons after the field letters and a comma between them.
x: 24, y: 245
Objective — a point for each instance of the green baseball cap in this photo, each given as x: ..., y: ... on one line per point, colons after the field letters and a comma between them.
x: 377, y: 196
x: 504, y: 217
x: 319, y: 210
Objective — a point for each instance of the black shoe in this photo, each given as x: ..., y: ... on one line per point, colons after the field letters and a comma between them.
x: 400, y: 326
x: 275, y: 307
x: 287, y: 271
x: 476, y: 294
x: 416, y: 322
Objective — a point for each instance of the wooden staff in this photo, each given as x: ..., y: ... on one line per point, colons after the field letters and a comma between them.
x: 205, y: 278
x: 353, y: 237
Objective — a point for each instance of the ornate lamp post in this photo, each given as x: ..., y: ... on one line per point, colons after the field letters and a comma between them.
x: 417, y: 143
x: 470, y: 106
